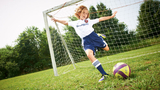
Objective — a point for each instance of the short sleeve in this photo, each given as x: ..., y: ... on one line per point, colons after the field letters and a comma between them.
x: 72, y: 23
x: 94, y: 21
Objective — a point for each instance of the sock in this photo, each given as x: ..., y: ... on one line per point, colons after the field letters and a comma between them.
x: 98, y: 65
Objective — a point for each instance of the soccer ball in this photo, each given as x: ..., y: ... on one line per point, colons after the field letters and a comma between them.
x: 121, y: 70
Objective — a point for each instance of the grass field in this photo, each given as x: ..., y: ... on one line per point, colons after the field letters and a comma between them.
x: 145, y: 74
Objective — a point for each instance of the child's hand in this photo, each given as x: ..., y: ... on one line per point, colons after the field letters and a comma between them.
x: 113, y: 15
x: 53, y: 19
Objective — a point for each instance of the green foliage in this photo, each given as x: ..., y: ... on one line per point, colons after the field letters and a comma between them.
x: 44, y: 61
x: 93, y: 12
x: 59, y: 50
x: 144, y: 64
x: 12, y: 68
x: 30, y: 54
x: 149, y: 19
x: 32, y: 51
x: 116, y: 32
x: 27, y: 48
x: 8, y: 66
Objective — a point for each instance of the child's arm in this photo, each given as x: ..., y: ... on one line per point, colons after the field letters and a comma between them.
x: 60, y: 21
x: 107, y: 17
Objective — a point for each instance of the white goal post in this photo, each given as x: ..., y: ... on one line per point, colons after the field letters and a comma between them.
x: 45, y: 14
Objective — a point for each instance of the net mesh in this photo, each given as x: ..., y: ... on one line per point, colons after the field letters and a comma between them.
x: 135, y: 26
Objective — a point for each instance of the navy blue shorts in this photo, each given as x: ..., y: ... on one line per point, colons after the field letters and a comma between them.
x: 93, y: 41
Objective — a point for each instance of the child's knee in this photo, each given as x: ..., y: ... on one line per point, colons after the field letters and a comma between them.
x: 106, y: 48
x: 90, y: 54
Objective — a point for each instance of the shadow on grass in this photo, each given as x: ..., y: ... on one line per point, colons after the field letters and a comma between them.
x: 133, y: 75
x: 142, y: 68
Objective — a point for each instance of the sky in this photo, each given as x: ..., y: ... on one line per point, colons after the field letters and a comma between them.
x: 17, y: 15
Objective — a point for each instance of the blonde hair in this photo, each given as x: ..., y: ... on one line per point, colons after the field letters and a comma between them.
x: 79, y: 10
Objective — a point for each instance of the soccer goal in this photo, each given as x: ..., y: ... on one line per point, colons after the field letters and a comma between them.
x: 135, y: 26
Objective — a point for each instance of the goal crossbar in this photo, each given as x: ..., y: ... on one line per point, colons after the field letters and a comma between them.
x: 62, y: 5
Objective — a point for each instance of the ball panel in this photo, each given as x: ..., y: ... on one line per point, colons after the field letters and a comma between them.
x: 118, y: 75
x: 118, y: 67
x: 122, y: 74
x: 125, y: 70
x: 129, y: 70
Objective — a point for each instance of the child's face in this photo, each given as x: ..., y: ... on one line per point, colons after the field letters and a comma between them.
x: 84, y: 14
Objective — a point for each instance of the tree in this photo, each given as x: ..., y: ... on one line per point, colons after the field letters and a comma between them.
x: 44, y: 61
x: 149, y: 19
x: 117, y: 33
x: 30, y: 54
x: 27, y: 49
x: 93, y: 12
x: 8, y: 66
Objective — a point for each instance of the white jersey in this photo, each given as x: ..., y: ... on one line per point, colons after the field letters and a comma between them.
x: 83, y: 27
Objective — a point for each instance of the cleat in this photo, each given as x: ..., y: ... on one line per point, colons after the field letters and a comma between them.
x: 101, y: 35
x: 103, y: 78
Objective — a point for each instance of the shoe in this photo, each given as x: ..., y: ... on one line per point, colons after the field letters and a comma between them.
x: 101, y: 35
x: 103, y: 78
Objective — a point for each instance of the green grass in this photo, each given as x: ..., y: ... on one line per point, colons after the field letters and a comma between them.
x: 145, y: 74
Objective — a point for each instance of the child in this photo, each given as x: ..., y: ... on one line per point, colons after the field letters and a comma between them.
x: 90, y: 40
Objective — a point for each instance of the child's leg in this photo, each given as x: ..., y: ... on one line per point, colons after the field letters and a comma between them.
x: 90, y: 55
x: 106, y: 48
x: 95, y: 62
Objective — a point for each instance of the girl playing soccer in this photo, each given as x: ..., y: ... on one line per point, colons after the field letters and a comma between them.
x: 90, y: 40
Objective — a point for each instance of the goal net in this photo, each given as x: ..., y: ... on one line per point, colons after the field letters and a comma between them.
x: 135, y: 26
